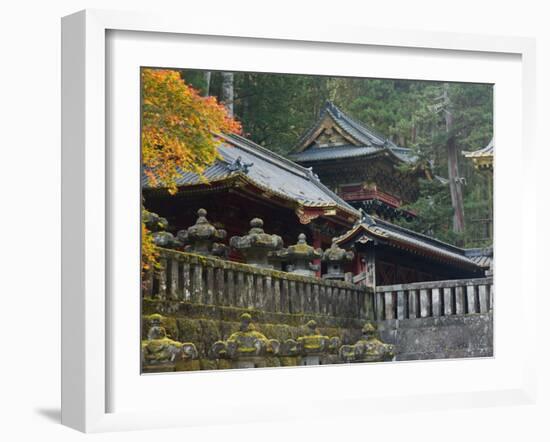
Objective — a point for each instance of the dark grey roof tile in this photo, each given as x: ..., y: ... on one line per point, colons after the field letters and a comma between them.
x: 369, y: 141
x: 269, y: 171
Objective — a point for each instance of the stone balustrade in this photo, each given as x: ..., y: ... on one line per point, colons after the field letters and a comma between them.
x: 196, y: 279
x: 434, y: 299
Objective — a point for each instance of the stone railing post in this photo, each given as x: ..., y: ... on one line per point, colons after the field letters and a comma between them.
x: 460, y: 300
x: 401, y: 305
x: 198, y: 279
x: 447, y: 301
x: 434, y: 299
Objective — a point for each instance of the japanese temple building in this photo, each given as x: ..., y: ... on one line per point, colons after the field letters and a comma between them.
x: 266, y: 261
x: 389, y: 254
x: 249, y: 181
x: 483, y: 158
x: 359, y: 164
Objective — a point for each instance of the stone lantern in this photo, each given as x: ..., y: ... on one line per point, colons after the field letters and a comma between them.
x: 289, y: 354
x: 312, y: 346
x: 369, y: 348
x: 335, y: 258
x: 300, y: 256
x: 154, y: 222
x: 202, y: 237
x: 157, y: 225
x: 257, y: 245
x: 159, y: 353
x: 246, y: 348
x: 166, y: 240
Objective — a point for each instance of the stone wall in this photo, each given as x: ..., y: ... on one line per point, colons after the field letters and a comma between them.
x: 201, y: 301
x: 458, y: 336
x: 203, y: 325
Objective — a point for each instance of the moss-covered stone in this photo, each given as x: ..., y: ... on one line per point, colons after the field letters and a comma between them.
x: 208, y: 364
x: 168, y: 322
x: 194, y: 258
x: 189, y: 330
x: 203, y: 325
x: 224, y: 364
x: 289, y: 361
x: 188, y: 365
x: 272, y: 361
x: 281, y: 332
x: 247, y: 340
x: 210, y: 330
x: 159, y: 353
x: 369, y: 348
x: 312, y: 342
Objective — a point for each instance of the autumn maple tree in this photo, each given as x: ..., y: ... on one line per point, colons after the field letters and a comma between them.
x: 178, y: 128
x: 178, y: 134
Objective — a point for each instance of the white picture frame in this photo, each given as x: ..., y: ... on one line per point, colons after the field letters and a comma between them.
x: 85, y: 305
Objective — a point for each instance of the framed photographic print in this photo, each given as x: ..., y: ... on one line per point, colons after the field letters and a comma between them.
x: 276, y: 213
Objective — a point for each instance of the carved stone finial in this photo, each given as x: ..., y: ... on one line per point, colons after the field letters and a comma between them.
x: 166, y: 240
x: 202, y: 237
x: 369, y: 330
x: 157, y: 226
x: 246, y: 347
x: 312, y: 345
x: 335, y: 258
x: 158, y: 352
x: 300, y: 256
x: 256, y: 245
x: 369, y: 348
x: 156, y: 330
x: 154, y: 222
x: 312, y: 326
x: 257, y: 223
x: 246, y: 320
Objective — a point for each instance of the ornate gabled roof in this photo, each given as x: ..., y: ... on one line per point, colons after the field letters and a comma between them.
x: 482, y: 158
x: 242, y: 161
x: 375, y: 229
x: 336, y: 135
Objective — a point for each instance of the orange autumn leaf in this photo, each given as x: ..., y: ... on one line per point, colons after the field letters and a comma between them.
x: 177, y: 135
x: 178, y: 127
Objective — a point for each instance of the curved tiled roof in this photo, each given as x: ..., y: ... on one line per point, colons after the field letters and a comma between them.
x: 368, y: 141
x: 267, y: 171
x: 482, y: 158
x: 350, y: 151
x: 487, y: 151
x: 402, y: 237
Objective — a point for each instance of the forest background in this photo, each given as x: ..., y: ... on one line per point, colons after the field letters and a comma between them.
x: 275, y: 109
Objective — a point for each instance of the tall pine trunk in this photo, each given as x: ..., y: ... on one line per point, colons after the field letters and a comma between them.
x: 455, y: 183
x: 227, y: 94
x: 207, y: 78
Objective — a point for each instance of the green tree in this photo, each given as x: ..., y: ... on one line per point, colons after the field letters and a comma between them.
x: 275, y: 109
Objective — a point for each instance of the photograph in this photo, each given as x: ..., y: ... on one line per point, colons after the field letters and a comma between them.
x: 292, y: 220
x: 275, y: 220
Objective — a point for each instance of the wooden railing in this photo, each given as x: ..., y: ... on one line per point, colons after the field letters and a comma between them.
x: 369, y: 194
x: 197, y: 279
x: 433, y: 299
